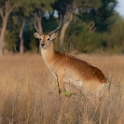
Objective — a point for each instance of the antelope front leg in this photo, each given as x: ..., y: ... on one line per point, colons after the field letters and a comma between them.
x: 60, y: 85
x: 61, y: 90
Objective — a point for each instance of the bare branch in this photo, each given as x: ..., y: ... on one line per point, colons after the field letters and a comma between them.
x: 9, y: 8
x: 92, y: 26
x: 14, y: 6
x: 1, y: 13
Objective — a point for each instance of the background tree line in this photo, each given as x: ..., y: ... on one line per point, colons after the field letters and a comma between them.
x: 88, y: 26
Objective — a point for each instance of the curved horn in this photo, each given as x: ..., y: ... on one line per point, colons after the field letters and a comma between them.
x: 35, y: 24
x: 60, y: 24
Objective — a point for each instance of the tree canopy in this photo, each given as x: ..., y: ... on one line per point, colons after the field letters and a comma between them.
x: 88, y: 26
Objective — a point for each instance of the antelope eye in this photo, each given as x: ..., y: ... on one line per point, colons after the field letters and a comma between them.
x: 40, y: 39
x: 48, y: 39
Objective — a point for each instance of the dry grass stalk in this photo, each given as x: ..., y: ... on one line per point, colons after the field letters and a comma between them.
x: 29, y: 93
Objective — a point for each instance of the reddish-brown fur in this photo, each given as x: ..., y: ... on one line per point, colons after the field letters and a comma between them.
x: 67, y: 68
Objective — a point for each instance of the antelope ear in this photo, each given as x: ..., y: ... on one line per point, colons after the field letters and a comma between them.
x: 53, y: 36
x: 36, y: 35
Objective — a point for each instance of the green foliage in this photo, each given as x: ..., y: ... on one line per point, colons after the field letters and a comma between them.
x: 100, y: 14
x: 32, y: 41
x: 86, y: 4
x: 115, y: 38
x: 81, y: 39
x: 12, y: 38
x: 34, y: 45
x: 49, y: 24
x: 62, y: 6
x: 107, y: 37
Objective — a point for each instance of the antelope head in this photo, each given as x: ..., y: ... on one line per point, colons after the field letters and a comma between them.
x: 45, y: 40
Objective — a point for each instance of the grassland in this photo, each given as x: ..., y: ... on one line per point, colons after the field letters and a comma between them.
x: 29, y: 93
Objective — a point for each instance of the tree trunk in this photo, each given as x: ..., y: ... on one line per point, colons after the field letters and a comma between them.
x: 5, y: 19
x: 39, y: 27
x: 1, y: 48
x: 64, y: 28
x: 5, y: 12
x: 21, y: 37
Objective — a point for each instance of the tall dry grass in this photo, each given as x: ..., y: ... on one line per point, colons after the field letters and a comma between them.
x: 29, y: 93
